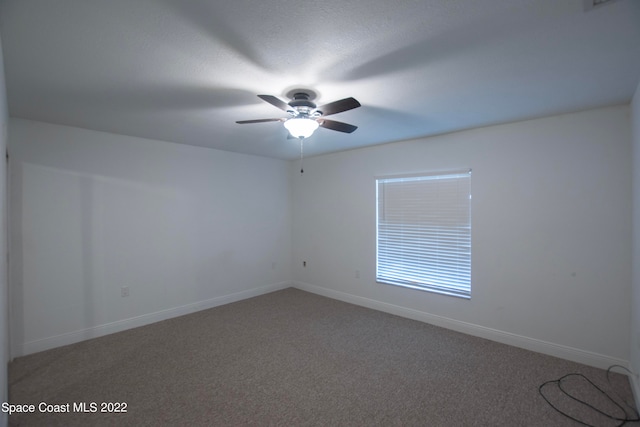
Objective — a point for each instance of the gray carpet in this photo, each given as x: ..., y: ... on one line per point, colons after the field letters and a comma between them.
x: 292, y: 358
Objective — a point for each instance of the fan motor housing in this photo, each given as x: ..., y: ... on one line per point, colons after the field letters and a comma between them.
x: 302, y: 99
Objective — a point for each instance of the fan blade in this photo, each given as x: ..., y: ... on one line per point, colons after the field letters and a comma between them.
x: 339, y: 126
x: 338, y: 106
x: 276, y: 102
x: 244, y: 122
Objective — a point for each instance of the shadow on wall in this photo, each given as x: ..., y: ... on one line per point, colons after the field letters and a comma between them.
x: 53, y: 266
x: 81, y: 241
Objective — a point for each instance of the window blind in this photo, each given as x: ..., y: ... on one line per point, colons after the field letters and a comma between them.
x: 424, y: 232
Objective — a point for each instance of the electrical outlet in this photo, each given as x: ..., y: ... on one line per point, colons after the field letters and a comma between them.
x: 357, y: 274
x: 304, y: 263
x: 124, y: 291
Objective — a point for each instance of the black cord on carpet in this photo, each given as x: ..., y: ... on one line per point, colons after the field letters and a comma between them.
x: 623, y: 419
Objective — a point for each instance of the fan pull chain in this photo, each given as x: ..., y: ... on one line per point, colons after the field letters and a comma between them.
x: 301, y: 164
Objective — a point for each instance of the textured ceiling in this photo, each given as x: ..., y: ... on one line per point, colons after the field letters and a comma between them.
x: 185, y: 71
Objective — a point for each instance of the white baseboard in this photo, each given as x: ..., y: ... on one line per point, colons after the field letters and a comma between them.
x: 145, y: 319
x: 539, y: 346
x: 544, y: 347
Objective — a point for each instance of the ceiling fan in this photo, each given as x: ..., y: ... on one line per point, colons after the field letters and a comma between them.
x: 304, y: 116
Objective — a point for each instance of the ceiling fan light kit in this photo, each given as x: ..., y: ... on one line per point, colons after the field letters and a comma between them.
x: 301, y: 127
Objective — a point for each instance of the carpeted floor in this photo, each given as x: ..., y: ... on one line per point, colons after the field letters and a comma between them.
x: 292, y: 358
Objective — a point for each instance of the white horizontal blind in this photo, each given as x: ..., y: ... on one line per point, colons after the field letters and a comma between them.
x: 424, y: 232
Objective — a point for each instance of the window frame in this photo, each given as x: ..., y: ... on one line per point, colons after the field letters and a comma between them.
x: 464, y: 289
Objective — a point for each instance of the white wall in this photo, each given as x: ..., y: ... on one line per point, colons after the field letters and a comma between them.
x: 551, y: 221
x: 634, y: 356
x: 185, y: 228
x: 4, y: 308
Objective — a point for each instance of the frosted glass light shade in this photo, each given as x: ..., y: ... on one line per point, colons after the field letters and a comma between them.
x: 301, y: 127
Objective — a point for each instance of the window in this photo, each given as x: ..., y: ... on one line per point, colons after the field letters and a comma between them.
x: 424, y: 232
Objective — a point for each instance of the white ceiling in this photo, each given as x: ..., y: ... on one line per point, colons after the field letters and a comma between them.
x: 185, y: 71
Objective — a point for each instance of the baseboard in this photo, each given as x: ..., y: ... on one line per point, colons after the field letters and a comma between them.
x: 145, y: 319
x: 539, y: 346
x: 544, y: 347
